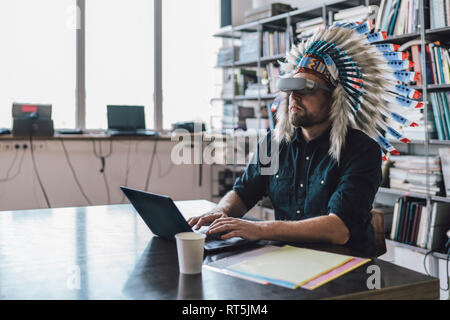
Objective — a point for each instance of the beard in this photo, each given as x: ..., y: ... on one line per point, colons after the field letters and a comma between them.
x: 304, y: 119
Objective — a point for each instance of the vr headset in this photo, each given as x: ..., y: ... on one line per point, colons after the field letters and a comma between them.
x: 299, y: 86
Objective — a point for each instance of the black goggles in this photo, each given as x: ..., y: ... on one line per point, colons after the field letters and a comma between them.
x: 300, y: 86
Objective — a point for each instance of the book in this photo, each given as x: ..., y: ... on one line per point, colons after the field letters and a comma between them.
x: 399, y: 27
x: 444, y: 154
x: 413, y: 222
x: 395, y: 219
x: 266, y: 11
x: 437, y: 14
x: 445, y: 107
x: 379, y: 16
x: 422, y: 225
x: 387, y: 15
x: 359, y: 11
x: 289, y: 266
x: 308, y: 23
x: 394, y: 17
x: 249, y: 46
x: 440, y: 224
x: 415, y: 54
x: 447, y: 12
x: 437, y: 116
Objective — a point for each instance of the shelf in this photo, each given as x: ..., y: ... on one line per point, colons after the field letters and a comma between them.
x: 422, y: 142
x: 434, y: 87
x: 305, y: 13
x: 408, y: 246
x: 440, y: 32
x: 440, y: 199
x: 263, y: 97
x: 252, y: 63
x: 400, y: 39
x: 243, y: 98
x: 440, y: 142
x: 402, y: 193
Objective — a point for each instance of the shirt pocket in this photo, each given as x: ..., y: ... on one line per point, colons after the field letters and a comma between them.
x: 319, y: 193
x: 280, y: 189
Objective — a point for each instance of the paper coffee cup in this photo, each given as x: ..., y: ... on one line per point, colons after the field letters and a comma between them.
x: 190, y: 246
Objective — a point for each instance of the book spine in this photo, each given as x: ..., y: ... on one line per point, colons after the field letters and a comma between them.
x: 447, y: 12
x: 405, y: 223
x: 446, y: 66
x: 421, y: 226
x: 415, y: 53
x: 431, y: 226
x: 386, y: 16
x: 437, y: 119
x: 400, y: 219
x: 442, y: 117
x: 394, y: 17
x: 433, y: 65
x: 380, y: 15
x: 445, y: 107
x: 395, y: 219
x: 415, y: 224
x: 439, y: 65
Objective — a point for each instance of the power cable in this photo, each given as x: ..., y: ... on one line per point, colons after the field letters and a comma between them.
x: 36, y: 171
x: 150, y: 167
x: 66, y: 153
x: 127, y: 171
x: 11, y: 166
x: 103, y: 158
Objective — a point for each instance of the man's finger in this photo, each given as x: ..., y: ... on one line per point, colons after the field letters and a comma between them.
x: 206, y: 219
x: 221, y: 220
x: 232, y: 234
x: 220, y: 228
x: 192, y: 221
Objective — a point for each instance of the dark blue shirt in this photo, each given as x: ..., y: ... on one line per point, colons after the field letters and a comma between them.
x: 309, y: 183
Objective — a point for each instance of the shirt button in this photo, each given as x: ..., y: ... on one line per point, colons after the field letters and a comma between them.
x: 277, y: 176
x: 301, y: 185
x: 298, y: 211
x: 322, y: 182
x: 307, y: 158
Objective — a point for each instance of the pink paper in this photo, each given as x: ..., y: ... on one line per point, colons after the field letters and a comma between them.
x: 337, y: 272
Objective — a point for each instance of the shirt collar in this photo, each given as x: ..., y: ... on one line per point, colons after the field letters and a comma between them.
x: 323, y: 138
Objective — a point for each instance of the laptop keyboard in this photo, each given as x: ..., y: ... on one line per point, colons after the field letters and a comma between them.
x: 211, y: 237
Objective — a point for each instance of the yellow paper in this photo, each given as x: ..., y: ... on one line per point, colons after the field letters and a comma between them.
x: 291, y: 264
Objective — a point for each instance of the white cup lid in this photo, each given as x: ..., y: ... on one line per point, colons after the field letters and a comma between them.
x: 190, y: 236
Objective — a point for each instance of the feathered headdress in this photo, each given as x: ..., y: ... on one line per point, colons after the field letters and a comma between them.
x: 369, y: 83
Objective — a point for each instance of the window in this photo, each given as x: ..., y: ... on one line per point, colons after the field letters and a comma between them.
x: 37, y: 59
x: 189, y: 54
x: 119, y: 57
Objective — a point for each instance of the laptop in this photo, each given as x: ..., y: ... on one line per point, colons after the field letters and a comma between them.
x: 127, y: 121
x: 162, y: 216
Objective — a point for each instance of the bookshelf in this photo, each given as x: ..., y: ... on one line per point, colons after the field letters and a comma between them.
x: 288, y: 21
x: 422, y: 35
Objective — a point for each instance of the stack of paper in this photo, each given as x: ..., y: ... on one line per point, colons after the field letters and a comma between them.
x: 288, y: 266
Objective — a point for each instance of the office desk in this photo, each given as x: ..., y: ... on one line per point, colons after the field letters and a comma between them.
x: 107, y: 252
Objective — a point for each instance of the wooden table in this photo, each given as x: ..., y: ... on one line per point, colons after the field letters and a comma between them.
x: 107, y: 252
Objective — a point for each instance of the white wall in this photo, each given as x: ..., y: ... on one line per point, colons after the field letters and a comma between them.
x: 23, y: 192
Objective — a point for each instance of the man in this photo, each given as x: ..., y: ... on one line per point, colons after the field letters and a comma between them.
x: 314, y: 199
x: 329, y: 171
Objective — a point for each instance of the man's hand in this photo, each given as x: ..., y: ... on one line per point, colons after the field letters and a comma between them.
x: 197, y: 222
x: 234, y: 227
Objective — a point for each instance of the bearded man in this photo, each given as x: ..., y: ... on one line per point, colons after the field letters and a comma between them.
x: 329, y: 144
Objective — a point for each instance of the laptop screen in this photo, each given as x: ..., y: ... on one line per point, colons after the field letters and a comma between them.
x: 126, y: 117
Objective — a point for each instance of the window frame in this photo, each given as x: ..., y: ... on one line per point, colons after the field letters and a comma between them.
x: 80, y: 90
